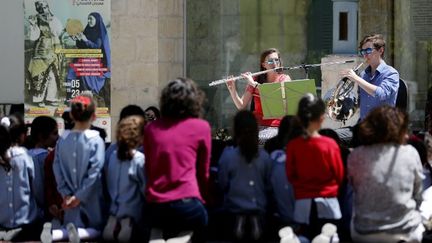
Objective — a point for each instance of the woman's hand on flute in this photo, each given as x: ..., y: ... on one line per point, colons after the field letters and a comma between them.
x: 249, y: 79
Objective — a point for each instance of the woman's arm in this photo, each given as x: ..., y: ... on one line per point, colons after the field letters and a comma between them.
x: 241, y: 102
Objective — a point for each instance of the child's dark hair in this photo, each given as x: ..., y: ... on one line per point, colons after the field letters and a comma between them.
x: 82, y: 108
x: 129, y: 136
x: 246, y: 134
x: 5, y: 143
x: 131, y: 110
x: 310, y: 108
x: 17, y: 129
x: 68, y: 122
x: 41, y: 128
x: 155, y: 111
x: 11, y: 134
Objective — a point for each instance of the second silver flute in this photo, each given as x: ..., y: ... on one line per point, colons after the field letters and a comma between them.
x: 221, y: 81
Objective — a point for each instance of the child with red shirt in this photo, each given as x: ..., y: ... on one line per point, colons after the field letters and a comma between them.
x: 315, y: 169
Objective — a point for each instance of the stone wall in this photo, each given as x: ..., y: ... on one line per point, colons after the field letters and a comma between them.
x: 226, y: 37
x: 147, y: 50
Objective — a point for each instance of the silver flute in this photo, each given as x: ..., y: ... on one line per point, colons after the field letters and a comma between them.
x: 222, y: 81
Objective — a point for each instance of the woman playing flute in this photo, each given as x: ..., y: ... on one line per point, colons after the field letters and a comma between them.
x: 270, y: 59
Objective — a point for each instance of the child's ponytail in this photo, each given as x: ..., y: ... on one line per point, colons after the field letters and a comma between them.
x: 82, y: 108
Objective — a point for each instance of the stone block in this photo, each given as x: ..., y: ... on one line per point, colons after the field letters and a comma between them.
x: 141, y: 75
x: 166, y: 50
x: 230, y: 7
x: 133, y: 7
x: 171, y: 7
x: 118, y: 8
x: 138, y: 26
x: 149, y: 8
x: 145, y: 95
x: 115, y: 27
x: 179, y: 51
x: 147, y: 49
x: 118, y: 72
x: 119, y: 99
x: 169, y: 71
x: 124, y: 50
x: 171, y: 27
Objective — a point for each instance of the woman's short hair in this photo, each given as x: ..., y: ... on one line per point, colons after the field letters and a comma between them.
x: 181, y: 98
x: 377, y: 41
x: 384, y: 124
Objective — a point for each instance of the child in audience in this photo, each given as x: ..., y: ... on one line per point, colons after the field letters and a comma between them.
x: 282, y: 190
x: 77, y: 168
x: 244, y: 177
x: 19, y: 218
x: 125, y: 180
x: 315, y: 169
x: 43, y: 136
x: 129, y: 110
x: 152, y: 113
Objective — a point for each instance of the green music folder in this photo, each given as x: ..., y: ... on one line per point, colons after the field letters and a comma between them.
x: 280, y: 99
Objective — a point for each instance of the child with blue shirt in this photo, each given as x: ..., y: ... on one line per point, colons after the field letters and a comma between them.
x: 19, y: 219
x: 125, y: 180
x: 43, y: 135
x: 244, y: 177
x: 78, y: 163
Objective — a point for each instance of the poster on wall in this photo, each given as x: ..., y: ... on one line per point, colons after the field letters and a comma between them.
x: 67, y: 53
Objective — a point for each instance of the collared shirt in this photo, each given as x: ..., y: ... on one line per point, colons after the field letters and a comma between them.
x: 386, y: 79
x: 126, y: 183
x: 39, y: 155
x: 79, y: 159
x: 244, y: 184
x: 18, y: 205
x: 283, y: 191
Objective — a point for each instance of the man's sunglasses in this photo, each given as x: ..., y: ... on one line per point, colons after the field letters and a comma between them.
x: 366, y: 51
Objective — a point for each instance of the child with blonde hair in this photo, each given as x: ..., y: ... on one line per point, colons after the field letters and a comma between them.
x: 125, y: 181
